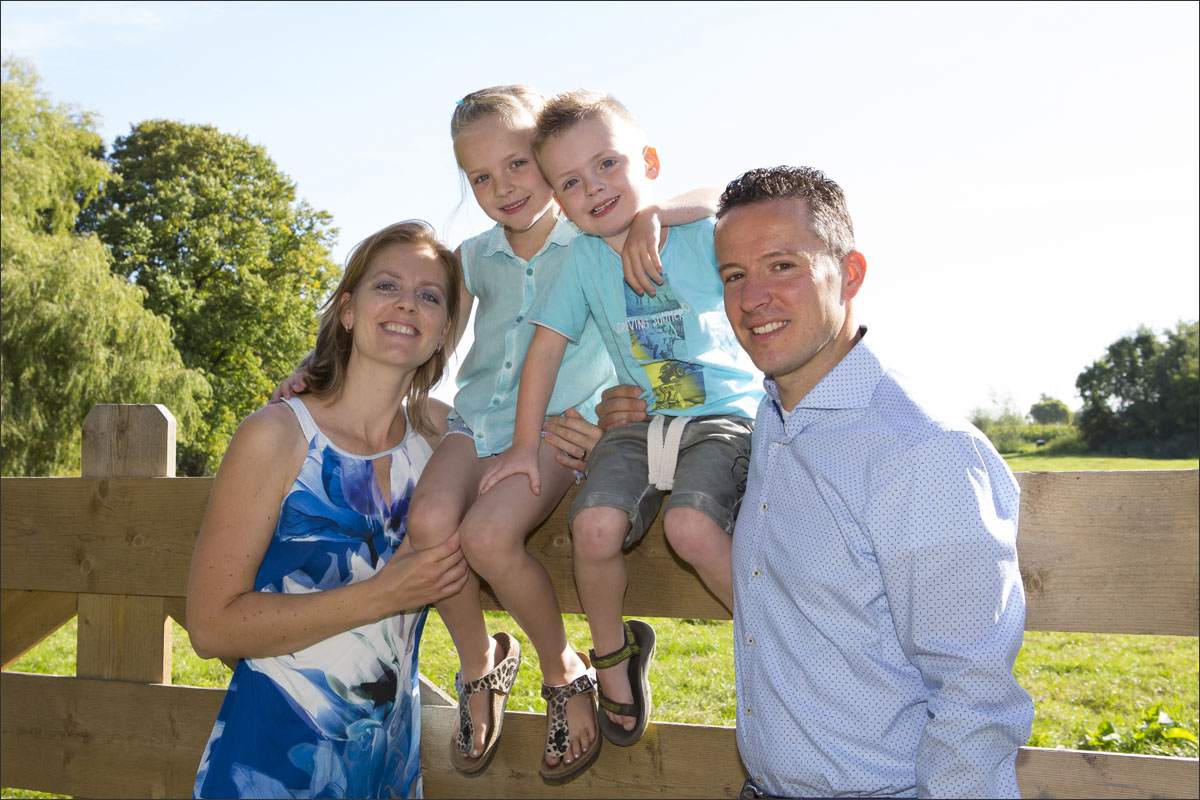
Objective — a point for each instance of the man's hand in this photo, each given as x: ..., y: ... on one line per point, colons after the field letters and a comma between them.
x: 620, y: 405
x: 574, y: 436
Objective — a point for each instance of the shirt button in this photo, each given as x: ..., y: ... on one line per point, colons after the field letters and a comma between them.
x: 508, y: 365
x: 757, y: 573
x: 750, y: 640
x: 496, y: 401
x: 529, y: 272
x: 520, y: 318
x: 765, y: 506
x: 750, y: 710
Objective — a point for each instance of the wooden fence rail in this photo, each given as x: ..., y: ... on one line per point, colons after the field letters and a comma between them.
x: 1108, y: 552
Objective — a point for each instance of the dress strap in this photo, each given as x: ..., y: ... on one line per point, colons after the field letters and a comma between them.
x: 307, y: 423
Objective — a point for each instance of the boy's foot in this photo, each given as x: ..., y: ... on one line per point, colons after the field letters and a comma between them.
x: 572, y: 738
x: 474, y: 742
x: 624, y: 681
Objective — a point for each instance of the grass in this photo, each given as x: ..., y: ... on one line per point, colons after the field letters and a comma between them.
x: 1078, y: 681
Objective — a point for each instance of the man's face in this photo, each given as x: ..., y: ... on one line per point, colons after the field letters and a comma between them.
x: 785, y: 295
x: 600, y: 173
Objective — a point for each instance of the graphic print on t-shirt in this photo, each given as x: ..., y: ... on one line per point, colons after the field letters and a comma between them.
x: 656, y: 335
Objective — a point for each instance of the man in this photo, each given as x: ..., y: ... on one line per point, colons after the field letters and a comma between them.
x: 878, y: 607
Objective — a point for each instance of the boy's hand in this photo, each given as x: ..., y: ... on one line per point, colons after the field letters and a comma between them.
x: 514, y: 461
x: 639, y: 256
x: 290, y: 387
x: 620, y: 405
x: 571, y: 434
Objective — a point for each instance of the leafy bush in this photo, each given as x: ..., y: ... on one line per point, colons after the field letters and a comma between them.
x: 1156, y: 734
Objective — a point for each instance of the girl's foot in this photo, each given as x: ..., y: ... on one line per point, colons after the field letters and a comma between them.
x: 572, y: 737
x: 480, y: 702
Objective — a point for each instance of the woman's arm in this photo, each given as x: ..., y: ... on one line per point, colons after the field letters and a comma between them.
x: 227, y: 618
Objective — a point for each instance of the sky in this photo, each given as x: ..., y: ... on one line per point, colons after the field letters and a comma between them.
x: 1023, y: 178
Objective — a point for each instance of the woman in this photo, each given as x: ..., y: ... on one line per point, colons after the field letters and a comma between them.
x: 303, y: 570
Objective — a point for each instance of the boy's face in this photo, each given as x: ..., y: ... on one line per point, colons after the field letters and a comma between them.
x: 600, y: 172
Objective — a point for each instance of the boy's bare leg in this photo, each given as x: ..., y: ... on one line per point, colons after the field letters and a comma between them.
x: 704, y: 544
x: 441, y: 499
x: 493, y: 540
x: 598, y: 533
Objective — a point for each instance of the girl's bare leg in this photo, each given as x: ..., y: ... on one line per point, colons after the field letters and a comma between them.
x: 441, y: 499
x: 493, y: 540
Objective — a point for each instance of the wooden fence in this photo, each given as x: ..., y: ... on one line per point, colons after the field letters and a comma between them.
x: 1108, y: 552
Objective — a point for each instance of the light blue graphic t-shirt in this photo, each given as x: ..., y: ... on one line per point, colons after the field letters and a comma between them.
x: 677, y: 345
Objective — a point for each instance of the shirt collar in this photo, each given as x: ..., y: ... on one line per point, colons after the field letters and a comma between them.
x: 496, y: 242
x: 850, y: 384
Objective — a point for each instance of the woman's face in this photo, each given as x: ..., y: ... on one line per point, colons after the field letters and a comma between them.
x: 399, y: 312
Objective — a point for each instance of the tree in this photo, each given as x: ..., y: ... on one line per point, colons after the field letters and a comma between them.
x: 72, y: 334
x: 1050, y: 411
x: 1143, y: 396
x: 207, y: 224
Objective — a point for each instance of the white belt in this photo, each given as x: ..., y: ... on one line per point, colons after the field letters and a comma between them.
x: 662, y: 449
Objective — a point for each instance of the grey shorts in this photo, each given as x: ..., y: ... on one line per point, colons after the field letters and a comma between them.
x: 710, y: 476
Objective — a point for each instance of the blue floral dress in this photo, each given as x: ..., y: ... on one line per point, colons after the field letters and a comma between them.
x: 340, y: 718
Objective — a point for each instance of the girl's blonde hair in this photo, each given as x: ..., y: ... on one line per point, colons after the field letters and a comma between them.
x: 519, y: 107
x: 325, y: 371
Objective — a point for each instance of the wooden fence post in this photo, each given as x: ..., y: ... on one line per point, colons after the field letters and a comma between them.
x: 126, y: 637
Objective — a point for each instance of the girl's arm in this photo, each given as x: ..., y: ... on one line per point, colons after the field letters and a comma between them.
x: 227, y: 618
x: 536, y: 385
x: 639, y: 256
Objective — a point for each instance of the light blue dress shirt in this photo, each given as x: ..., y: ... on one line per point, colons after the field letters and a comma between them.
x: 676, y: 345
x: 878, y: 607
x: 507, y: 288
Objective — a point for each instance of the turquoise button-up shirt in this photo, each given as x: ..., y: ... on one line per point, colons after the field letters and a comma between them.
x: 507, y: 288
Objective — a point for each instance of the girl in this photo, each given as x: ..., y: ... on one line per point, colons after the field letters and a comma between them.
x: 509, y: 268
x: 303, y: 570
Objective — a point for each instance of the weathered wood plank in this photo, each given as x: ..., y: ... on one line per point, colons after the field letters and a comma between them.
x: 129, y: 440
x: 95, y: 738
x: 125, y: 638
x: 1111, y: 552
x: 670, y: 761
x: 1108, y: 552
x: 1042, y: 772
x: 104, y: 536
x: 30, y: 617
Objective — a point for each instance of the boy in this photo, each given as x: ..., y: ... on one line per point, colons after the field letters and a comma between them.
x: 678, y: 347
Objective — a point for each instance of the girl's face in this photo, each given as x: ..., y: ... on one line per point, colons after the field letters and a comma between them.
x: 398, y: 313
x: 498, y: 162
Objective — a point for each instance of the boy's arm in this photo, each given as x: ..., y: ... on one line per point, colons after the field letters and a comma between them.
x: 536, y: 385
x: 639, y: 256
x: 293, y: 384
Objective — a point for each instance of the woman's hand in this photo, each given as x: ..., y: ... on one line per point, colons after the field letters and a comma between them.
x: 574, y: 437
x: 514, y: 461
x: 412, y: 578
x: 639, y: 256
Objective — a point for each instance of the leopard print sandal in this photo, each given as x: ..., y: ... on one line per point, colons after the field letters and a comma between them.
x: 559, y: 739
x: 499, y: 682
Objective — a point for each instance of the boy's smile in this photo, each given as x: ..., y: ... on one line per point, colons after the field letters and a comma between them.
x: 600, y: 170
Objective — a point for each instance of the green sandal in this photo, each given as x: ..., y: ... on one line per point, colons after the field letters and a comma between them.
x: 639, y: 651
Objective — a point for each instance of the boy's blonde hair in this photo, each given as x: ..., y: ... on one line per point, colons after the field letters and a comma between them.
x: 325, y: 369
x: 518, y: 106
x: 568, y: 109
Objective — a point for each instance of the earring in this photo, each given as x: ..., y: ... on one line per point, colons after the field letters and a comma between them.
x: 437, y: 349
x: 347, y: 326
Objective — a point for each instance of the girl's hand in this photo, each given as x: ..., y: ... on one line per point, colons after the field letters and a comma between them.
x: 413, y: 578
x: 290, y: 387
x: 574, y: 437
x: 514, y: 461
x: 639, y: 256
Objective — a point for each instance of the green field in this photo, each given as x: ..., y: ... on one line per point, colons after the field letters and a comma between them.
x: 1084, y: 685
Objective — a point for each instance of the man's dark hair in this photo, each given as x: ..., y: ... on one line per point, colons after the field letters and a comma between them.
x: 826, y: 202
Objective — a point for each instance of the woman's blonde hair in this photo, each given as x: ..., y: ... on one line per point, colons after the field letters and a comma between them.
x: 325, y: 371
x: 519, y: 107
